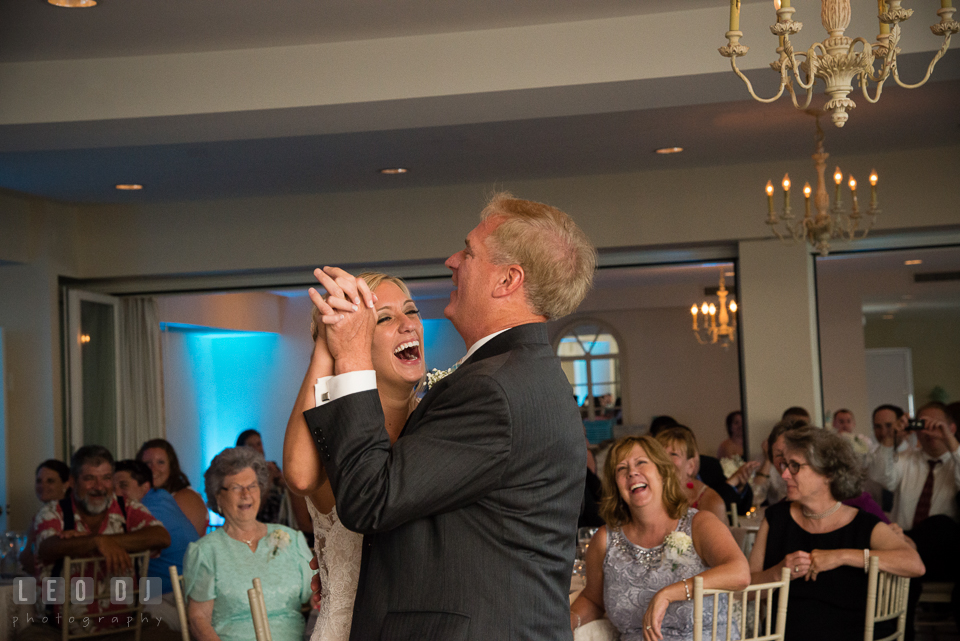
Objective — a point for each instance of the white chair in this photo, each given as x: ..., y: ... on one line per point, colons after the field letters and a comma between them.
x: 261, y: 626
x: 886, y: 600
x: 733, y: 517
x: 177, y: 580
x: 95, y: 567
x: 758, y: 591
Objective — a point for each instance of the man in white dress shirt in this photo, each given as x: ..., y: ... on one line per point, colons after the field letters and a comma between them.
x: 925, y: 481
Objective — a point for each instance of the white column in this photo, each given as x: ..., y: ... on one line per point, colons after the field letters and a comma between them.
x: 781, y: 365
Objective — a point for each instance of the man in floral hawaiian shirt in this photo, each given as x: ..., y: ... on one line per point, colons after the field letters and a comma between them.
x: 101, y: 527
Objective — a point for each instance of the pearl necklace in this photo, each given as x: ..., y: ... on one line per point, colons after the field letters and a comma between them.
x: 816, y: 516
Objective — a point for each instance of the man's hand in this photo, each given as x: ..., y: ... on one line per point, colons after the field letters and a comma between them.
x: 742, y: 476
x: 117, y: 560
x: 349, y: 316
x: 315, y: 584
x: 891, y: 436
x: 940, y: 430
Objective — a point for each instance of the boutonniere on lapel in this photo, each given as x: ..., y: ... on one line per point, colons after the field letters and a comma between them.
x: 434, y: 377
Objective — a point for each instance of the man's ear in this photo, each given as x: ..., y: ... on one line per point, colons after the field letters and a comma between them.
x: 511, y: 280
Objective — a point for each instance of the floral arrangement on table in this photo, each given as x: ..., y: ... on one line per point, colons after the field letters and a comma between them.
x: 675, y: 547
x: 278, y: 540
x: 730, y: 465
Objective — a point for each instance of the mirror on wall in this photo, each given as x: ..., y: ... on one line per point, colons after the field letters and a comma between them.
x: 889, y: 329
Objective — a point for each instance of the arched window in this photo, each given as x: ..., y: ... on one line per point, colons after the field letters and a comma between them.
x: 590, y: 357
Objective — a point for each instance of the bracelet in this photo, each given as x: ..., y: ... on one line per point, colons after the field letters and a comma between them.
x: 687, y: 590
x: 866, y: 560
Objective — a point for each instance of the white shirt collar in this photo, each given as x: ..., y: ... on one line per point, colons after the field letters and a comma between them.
x: 480, y: 343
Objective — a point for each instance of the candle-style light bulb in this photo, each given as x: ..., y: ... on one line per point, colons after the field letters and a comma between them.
x: 772, y: 217
x: 873, y: 178
x: 786, y: 196
x: 733, y: 306
x: 704, y: 309
x: 852, y: 183
x: 837, y: 178
x: 806, y: 199
x: 776, y: 4
x: 693, y: 312
x: 713, y: 309
x: 873, y: 190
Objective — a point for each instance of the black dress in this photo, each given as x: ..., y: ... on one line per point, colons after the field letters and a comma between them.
x: 833, y: 607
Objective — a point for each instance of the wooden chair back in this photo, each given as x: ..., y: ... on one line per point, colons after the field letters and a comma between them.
x: 176, y: 579
x: 95, y: 567
x: 886, y: 600
x: 752, y: 628
x: 258, y: 608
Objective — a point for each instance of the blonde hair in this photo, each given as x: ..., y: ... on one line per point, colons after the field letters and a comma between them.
x: 557, y: 258
x: 613, y: 509
x: 374, y: 280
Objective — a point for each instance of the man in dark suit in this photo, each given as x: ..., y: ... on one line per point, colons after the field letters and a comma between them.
x: 470, y: 519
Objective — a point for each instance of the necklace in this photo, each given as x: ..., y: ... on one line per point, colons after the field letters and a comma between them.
x: 645, y: 556
x: 816, y: 516
x: 248, y: 542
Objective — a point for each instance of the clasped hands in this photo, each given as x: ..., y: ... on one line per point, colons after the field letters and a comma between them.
x: 115, y: 557
x: 809, y: 564
x: 349, y: 317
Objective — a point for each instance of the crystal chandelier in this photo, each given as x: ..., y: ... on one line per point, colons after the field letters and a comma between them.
x: 836, y: 223
x: 719, y: 326
x: 836, y: 60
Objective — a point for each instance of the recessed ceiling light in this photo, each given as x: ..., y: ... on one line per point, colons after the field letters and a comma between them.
x: 729, y: 274
x: 912, y: 262
x: 73, y: 4
x: 669, y: 150
x: 888, y: 317
x: 129, y: 187
x: 391, y: 171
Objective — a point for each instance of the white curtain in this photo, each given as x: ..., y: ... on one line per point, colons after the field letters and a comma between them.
x: 141, y: 375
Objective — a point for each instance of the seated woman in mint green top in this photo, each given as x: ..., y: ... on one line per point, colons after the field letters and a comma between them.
x: 220, y: 568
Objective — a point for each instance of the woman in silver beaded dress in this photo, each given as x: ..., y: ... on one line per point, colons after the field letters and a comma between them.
x: 640, y: 566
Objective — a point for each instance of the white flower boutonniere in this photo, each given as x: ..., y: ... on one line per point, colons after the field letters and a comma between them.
x: 434, y: 377
x: 860, y: 443
x: 675, y: 546
x: 279, y: 540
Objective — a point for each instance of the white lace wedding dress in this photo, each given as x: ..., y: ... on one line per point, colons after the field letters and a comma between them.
x: 338, y: 551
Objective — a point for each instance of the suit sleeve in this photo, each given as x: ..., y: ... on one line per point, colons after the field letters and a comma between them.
x: 453, y: 456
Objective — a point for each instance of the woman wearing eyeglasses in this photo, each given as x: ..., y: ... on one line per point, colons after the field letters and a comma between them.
x: 220, y: 568
x: 823, y: 542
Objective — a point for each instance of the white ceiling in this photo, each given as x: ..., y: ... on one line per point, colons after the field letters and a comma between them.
x: 478, y: 136
x: 33, y: 30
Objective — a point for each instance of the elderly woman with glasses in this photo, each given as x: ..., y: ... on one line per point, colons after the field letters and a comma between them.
x: 824, y: 542
x: 220, y: 567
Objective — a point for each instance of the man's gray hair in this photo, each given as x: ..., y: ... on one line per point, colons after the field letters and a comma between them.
x: 557, y: 258
x: 232, y: 460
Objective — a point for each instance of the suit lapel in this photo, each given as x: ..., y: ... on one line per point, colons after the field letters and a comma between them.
x: 502, y: 343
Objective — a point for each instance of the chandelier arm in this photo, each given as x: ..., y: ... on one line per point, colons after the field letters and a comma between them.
x: 793, y: 96
x: 936, y: 58
x: 783, y: 83
x: 811, y: 59
x: 864, y: 84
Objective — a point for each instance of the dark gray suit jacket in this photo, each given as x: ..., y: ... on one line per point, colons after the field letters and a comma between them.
x: 470, y: 519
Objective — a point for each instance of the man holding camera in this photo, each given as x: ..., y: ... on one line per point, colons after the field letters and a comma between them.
x: 925, y: 481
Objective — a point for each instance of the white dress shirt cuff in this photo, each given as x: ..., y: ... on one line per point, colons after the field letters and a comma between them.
x: 330, y: 388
